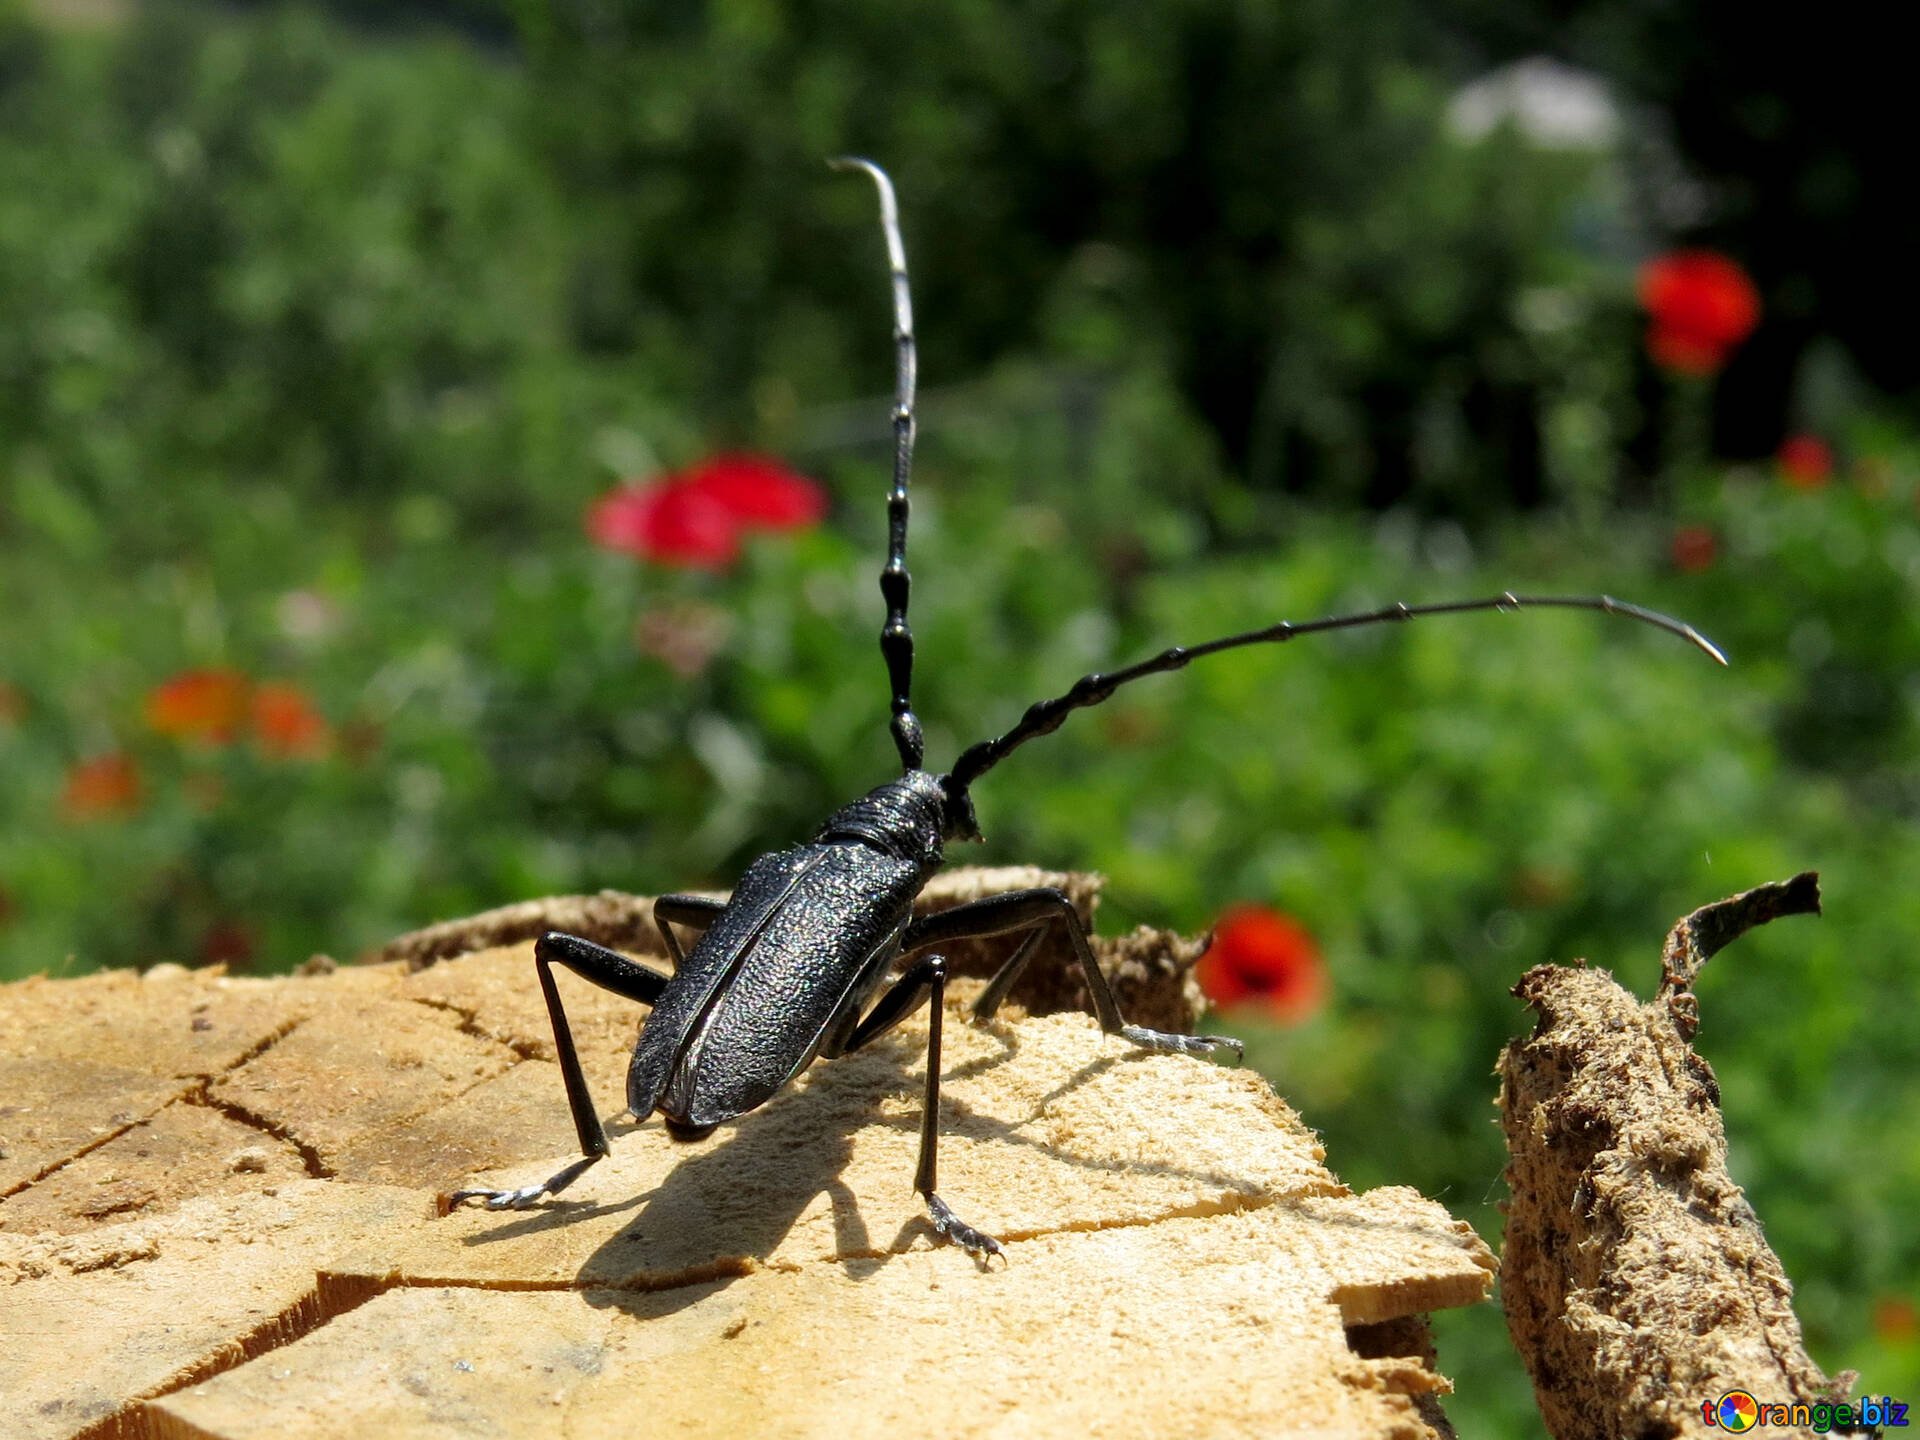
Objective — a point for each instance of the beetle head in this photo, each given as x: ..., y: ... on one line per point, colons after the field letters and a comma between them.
x: 957, y: 820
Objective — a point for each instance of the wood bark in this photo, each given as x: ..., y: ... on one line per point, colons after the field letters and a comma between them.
x: 1637, y: 1280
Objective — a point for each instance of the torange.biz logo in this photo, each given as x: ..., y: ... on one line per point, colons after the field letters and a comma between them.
x: 1739, y: 1412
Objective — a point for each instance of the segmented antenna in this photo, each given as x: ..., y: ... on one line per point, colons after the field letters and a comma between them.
x: 1046, y: 716
x: 896, y: 638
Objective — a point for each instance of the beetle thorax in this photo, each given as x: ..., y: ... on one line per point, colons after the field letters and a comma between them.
x: 904, y: 818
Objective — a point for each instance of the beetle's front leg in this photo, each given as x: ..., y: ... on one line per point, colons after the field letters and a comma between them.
x: 611, y: 971
x: 925, y: 979
x: 1032, y: 910
x: 977, y: 1243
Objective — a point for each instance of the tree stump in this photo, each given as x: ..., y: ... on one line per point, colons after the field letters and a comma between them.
x: 219, y: 1220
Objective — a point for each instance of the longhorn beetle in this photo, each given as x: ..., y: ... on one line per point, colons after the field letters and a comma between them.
x: 788, y: 969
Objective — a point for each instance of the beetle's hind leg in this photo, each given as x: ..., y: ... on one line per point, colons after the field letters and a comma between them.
x: 696, y: 912
x: 611, y: 971
x: 1032, y: 911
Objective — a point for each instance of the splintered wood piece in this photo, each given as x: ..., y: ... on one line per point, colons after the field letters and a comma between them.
x: 1636, y: 1278
x: 225, y: 1225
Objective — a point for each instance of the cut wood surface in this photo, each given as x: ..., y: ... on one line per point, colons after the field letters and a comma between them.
x: 219, y: 1221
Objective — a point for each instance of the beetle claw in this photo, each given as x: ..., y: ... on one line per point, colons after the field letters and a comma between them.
x: 976, y: 1243
x: 1181, y: 1044
x: 498, y: 1199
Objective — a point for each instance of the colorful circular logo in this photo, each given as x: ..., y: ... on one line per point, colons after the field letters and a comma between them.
x: 1737, y: 1411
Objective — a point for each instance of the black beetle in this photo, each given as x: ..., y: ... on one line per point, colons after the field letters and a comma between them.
x: 785, y: 970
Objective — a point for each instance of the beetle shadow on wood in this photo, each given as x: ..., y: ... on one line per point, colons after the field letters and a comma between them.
x: 731, y: 1201
x: 726, y: 1204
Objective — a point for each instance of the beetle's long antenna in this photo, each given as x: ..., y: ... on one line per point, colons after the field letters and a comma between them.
x: 896, y: 639
x: 1044, y: 717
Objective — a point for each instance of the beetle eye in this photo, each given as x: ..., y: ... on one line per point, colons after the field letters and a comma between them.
x: 959, y: 822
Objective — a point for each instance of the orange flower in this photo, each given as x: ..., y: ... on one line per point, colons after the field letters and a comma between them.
x: 13, y: 705
x: 1806, y: 462
x: 103, y: 786
x: 1261, y: 957
x: 204, y: 706
x: 1702, y: 306
x: 1895, y: 1319
x: 286, y: 724
x: 1694, y: 549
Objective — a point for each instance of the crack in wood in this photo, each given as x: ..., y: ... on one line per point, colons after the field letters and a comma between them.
x: 470, y: 1026
x: 253, y: 1052
x: 54, y: 1167
x: 316, y: 1168
x: 190, y: 1095
x: 328, y: 1300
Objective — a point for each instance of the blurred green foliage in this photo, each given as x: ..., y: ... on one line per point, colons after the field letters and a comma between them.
x: 1263, y: 200
x: 314, y: 348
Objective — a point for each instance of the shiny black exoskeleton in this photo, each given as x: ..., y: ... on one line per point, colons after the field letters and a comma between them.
x: 817, y: 951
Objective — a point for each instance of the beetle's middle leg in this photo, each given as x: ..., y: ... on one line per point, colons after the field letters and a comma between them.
x: 611, y: 971
x: 1032, y: 910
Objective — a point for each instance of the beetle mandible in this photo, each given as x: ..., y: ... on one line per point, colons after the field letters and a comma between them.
x: 788, y: 969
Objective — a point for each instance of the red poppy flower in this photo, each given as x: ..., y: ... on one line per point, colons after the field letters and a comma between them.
x: 671, y: 523
x: 1695, y: 548
x: 760, y: 493
x: 696, y: 517
x: 1702, y: 305
x: 1806, y: 462
x: 102, y: 786
x: 286, y: 724
x: 205, y: 706
x: 1260, y: 957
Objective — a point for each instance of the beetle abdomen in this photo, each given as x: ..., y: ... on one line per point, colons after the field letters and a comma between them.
x: 808, y: 932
